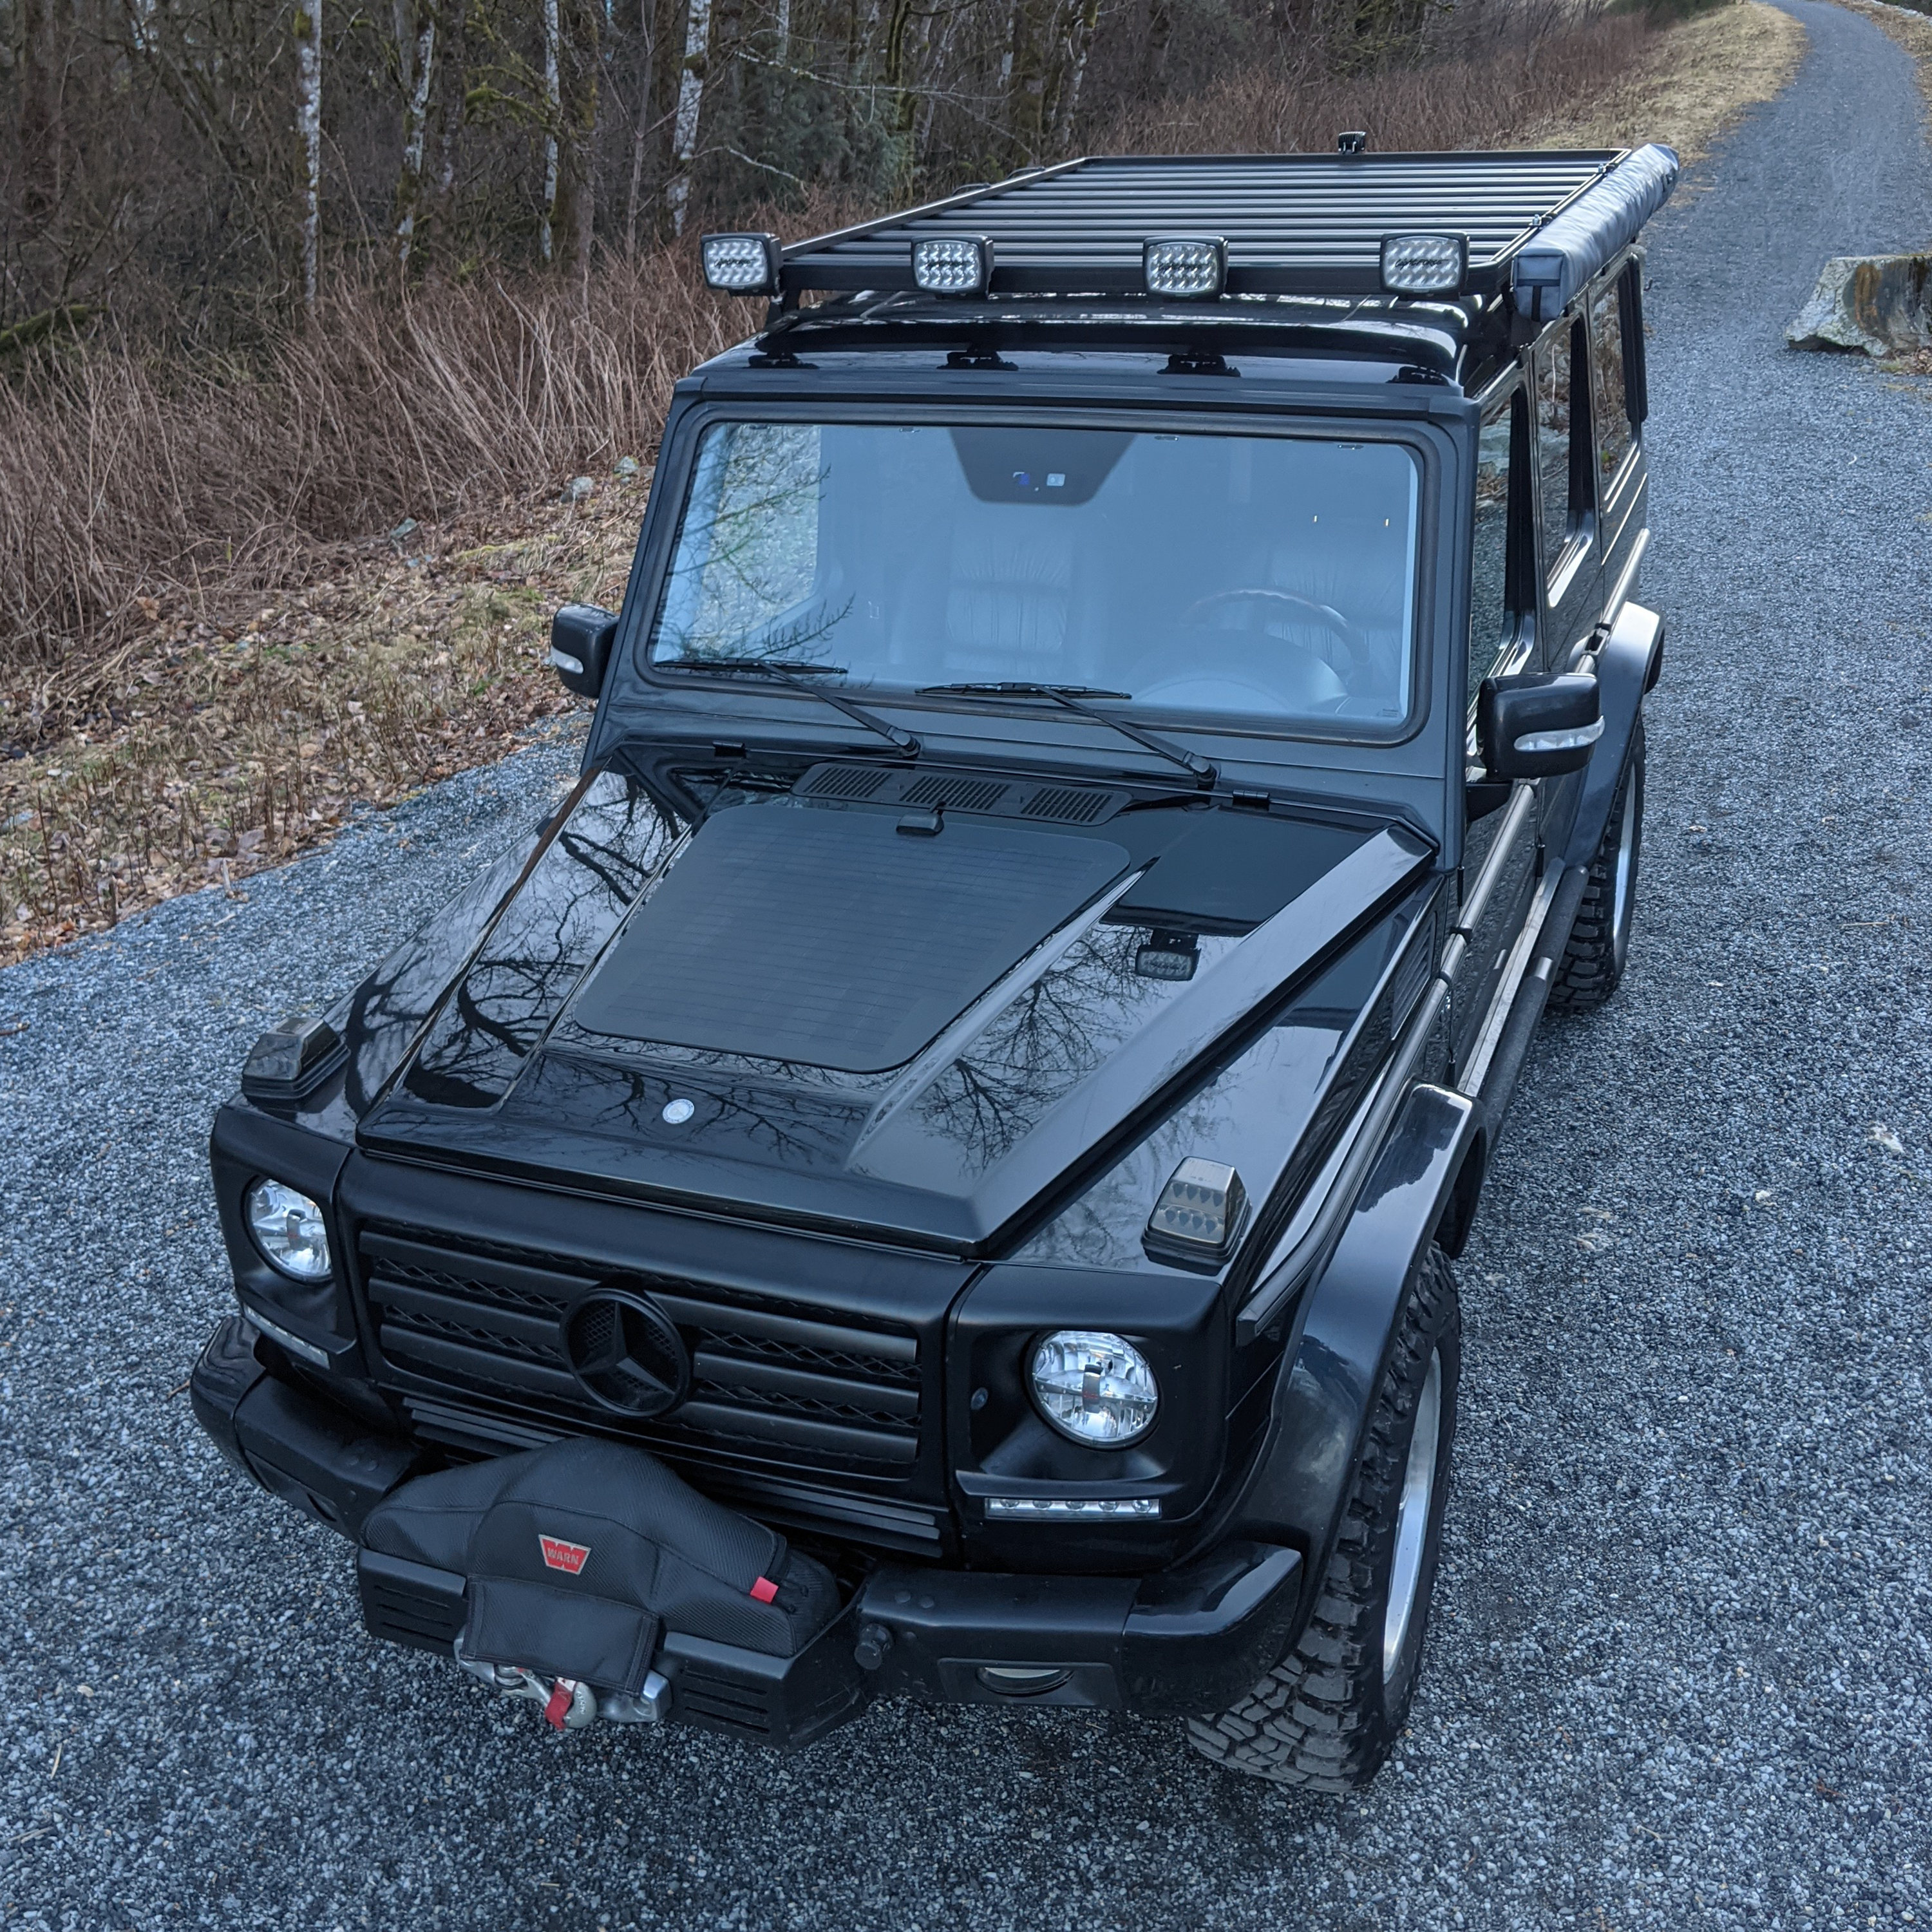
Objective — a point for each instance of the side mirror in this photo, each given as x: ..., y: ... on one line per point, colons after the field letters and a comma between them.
x: 1538, y: 724
x: 580, y: 636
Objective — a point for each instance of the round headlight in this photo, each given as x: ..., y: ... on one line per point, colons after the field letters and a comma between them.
x: 1095, y: 1388
x: 288, y: 1229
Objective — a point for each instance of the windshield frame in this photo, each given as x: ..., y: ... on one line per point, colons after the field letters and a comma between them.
x: 1410, y: 433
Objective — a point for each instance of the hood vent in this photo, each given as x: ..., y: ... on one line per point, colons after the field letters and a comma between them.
x: 958, y: 794
x: 960, y: 791
x: 1067, y: 805
x: 844, y: 780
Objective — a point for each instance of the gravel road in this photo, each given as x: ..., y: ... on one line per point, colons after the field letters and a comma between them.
x: 1682, y: 1674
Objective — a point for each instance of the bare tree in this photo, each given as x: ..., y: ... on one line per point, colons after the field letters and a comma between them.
x: 575, y: 136
x: 419, y: 51
x: 690, y: 106
x: 308, y: 127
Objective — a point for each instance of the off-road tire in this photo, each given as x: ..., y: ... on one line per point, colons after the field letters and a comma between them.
x: 1326, y: 1717
x: 1593, y: 961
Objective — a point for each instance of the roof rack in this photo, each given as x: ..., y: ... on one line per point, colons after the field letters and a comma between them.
x: 1310, y: 225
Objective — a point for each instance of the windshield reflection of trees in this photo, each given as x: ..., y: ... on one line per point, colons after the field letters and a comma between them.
x: 600, y: 861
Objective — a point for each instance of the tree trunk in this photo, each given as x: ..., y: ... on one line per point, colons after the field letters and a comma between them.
x: 1026, y: 90
x: 640, y: 132
x: 40, y: 113
x: 552, y: 83
x: 452, y: 82
x: 1154, y: 49
x: 308, y: 126
x: 690, y: 106
x: 415, y: 128
x: 577, y: 67
x: 1085, y: 22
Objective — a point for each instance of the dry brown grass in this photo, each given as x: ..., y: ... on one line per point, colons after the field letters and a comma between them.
x: 1688, y: 84
x: 211, y: 752
x: 208, y: 649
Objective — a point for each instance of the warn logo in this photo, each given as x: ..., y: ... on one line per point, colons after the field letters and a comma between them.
x: 558, y: 1555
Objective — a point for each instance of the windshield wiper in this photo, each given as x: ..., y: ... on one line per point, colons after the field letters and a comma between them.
x: 783, y: 671
x: 1069, y: 696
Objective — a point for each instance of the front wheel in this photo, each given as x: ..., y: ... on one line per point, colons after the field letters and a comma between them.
x: 1327, y: 1716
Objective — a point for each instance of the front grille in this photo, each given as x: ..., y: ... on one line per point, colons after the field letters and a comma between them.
x: 766, y: 1382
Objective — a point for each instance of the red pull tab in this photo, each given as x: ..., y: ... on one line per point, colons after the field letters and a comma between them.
x: 765, y: 1590
x: 558, y: 1709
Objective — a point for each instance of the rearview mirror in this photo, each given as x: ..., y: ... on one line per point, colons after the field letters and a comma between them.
x: 1538, y: 724
x: 580, y: 635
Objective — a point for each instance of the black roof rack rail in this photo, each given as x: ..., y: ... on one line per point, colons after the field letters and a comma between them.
x: 1294, y: 224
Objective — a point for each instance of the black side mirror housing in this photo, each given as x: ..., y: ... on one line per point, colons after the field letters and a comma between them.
x: 1538, y: 724
x: 580, y: 636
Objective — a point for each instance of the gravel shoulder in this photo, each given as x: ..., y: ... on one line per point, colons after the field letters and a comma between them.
x: 1682, y: 1671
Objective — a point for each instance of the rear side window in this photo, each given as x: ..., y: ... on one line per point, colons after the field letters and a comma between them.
x: 1493, y: 616
x: 1610, y: 383
x: 1553, y: 373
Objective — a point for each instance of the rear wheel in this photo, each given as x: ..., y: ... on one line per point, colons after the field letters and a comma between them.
x: 1328, y: 1715
x: 1593, y: 961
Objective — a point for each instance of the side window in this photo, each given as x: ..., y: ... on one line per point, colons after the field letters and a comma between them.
x: 1609, y: 384
x: 1492, y: 619
x: 1553, y: 373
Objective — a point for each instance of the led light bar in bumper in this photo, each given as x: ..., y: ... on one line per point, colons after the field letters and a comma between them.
x: 741, y: 264
x: 1073, y: 1509
x: 953, y: 265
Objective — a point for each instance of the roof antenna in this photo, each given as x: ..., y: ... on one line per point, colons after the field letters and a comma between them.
x: 1354, y: 142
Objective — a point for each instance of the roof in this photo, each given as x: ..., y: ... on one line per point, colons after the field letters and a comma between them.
x: 1295, y: 224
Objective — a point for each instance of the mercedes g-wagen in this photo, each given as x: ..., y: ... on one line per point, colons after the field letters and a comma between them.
x: 935, y: 1172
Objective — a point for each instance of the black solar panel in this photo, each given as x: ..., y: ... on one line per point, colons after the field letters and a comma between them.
x: 1295, y: 224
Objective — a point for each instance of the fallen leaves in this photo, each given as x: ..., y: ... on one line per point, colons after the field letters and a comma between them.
x: 196, y: 758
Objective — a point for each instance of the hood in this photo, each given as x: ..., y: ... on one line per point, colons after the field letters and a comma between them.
x: 905, y: 1025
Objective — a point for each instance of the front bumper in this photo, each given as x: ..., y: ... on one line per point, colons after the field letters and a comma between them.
x: 1190, y: 1639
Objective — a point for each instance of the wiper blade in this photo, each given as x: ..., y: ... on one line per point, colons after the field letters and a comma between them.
x: 1070, y: 696
x: 781, y: 670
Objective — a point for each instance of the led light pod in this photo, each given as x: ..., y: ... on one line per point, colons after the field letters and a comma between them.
x: 1199, y: 1215
x: 741, y: 264
x: 1192, y: 267
x: 953, y: 265
x: 1096, y: 1389
x: 1424, y: 264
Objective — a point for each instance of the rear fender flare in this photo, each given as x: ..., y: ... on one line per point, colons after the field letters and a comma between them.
x: 1328, y: 1380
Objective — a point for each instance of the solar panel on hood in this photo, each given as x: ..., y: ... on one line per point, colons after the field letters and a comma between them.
x: 829, y: 939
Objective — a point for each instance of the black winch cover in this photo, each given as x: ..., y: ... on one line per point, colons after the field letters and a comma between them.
x: 577, y: 1557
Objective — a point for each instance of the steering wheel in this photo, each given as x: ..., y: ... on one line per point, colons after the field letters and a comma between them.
x: 1326, y: 615
x: 1294, y: 679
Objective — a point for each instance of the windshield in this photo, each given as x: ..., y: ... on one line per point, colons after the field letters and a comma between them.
x: 1262, y: 580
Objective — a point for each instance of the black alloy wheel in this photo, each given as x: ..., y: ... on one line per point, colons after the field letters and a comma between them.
x: 1327, y: 1717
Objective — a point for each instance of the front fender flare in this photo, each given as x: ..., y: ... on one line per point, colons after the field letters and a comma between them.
x: 1328, y: 1380
x: 1627, y: 666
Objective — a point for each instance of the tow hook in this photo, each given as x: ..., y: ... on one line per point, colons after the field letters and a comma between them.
x: 567, y: 1704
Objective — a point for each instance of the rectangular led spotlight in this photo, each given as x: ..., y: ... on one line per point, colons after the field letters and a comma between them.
x: 953, y: 265
x: 1424, y: 264
x: 1194, y: 267
x: 741, y: 264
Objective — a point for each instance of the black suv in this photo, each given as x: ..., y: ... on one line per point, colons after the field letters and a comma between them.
x: 1127, y: 708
